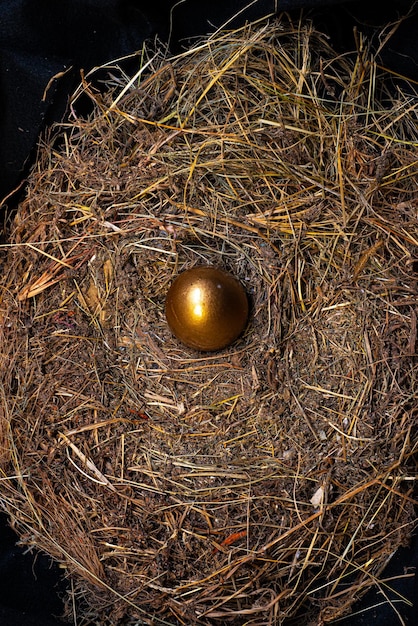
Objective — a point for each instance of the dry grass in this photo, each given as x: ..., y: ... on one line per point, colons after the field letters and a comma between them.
x: 272, y: 479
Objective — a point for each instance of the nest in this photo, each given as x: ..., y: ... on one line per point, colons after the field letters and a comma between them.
x: 273, y: 479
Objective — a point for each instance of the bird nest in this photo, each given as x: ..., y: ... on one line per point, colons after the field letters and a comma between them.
x: 271, y: 479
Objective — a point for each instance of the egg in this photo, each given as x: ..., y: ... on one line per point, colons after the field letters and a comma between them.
x: 206, y: 308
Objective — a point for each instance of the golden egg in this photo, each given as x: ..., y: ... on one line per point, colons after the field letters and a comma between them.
x: 206, y: 308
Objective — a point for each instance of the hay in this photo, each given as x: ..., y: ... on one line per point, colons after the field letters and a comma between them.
x: 272, y: 479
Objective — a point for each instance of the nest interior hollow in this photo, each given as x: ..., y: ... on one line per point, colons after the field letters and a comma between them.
x: 271, y: 478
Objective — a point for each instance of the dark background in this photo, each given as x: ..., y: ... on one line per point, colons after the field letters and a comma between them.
x: 42, y: 38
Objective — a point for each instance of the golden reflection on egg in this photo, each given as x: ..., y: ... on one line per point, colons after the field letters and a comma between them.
x: 206, y: 308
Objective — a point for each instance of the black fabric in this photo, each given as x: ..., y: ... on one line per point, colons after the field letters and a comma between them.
x: 43, y: 39
x: 15, y: 617
x: 30, y: 585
